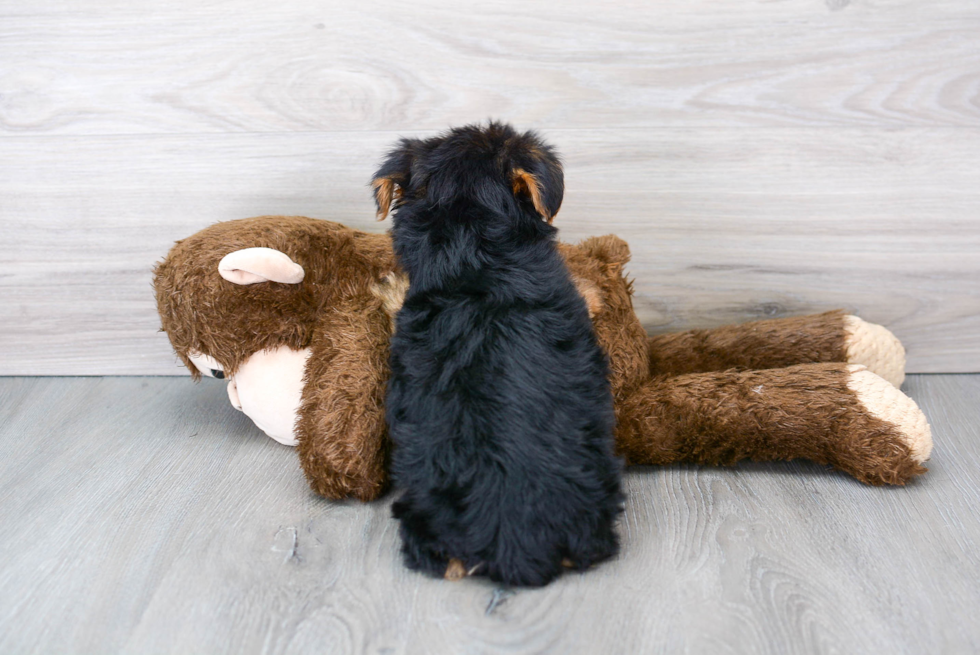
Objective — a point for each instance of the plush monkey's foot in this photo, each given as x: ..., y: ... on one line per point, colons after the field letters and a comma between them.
x: 876, y: 347
x: 890, y: 442
x: 887, y: 403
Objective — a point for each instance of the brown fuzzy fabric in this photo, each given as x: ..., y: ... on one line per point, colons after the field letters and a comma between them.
x: 600, y: 260
x: 675, y: 402
x: 202, y: 312
x: 774, y: 343
x: 805, y: 411
x: 343, y: 446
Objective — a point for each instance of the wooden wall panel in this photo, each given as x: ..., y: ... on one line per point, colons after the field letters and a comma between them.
x: 111, y: 67
x: 762, y: 158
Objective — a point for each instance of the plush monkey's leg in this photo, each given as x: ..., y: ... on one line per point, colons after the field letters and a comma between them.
x: 341, y: 426
x: 836, y: 414
x: 829, y: 337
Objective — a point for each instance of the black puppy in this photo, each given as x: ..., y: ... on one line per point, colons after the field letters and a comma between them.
x: 498, y: 405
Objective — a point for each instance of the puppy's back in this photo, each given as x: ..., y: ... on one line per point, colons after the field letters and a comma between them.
x: 502, y: 419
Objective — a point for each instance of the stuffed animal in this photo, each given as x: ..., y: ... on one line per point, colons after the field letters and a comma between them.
x: 296, y: 313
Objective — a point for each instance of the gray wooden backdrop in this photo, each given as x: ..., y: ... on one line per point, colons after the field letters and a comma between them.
x: 763, y: 158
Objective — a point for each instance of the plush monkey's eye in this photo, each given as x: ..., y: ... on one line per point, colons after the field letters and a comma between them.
x: 207, y: 365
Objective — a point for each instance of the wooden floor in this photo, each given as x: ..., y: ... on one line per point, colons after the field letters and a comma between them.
x: 145, y: 515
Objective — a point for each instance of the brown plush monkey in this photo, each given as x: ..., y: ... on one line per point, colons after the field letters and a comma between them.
x: 296, y: 314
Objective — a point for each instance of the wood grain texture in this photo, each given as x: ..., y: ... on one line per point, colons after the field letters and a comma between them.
x: 762, y: 158
x: 145, y: 515
x: 107, y: 67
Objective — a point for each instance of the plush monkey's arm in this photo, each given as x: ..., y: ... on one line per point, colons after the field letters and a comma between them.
x: 341, y: 428
x: 837, y: 414
x: 829, y: 337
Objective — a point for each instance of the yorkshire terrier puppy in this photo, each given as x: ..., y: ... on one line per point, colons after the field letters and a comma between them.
x: 498, y: 406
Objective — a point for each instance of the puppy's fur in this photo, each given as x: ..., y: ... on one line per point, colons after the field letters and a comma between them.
x: 498, y: 405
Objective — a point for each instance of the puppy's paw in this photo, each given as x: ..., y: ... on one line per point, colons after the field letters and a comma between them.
x: 876, y: 347
x: 455, y: 571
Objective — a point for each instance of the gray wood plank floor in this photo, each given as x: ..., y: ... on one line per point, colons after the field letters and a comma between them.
x: 145, y: 515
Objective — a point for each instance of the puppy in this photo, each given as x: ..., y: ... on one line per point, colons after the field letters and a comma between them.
x: 498, y: 406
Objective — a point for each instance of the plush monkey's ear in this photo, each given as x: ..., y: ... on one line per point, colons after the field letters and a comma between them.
x: 537, y: 176
x: 393, y: 177
x: 254, y: 265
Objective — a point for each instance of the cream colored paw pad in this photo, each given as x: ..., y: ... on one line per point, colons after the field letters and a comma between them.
x: 886, y: 402
x: 876, y: 347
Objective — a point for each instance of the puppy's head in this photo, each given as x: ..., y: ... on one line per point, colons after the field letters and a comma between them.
x: 492, y: 167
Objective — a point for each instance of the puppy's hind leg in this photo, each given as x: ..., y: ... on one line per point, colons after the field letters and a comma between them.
x: 588, y: 550
x: 418, y: 549
x: 419, y: 556
x: 455, y: 570
x: 525, y: 560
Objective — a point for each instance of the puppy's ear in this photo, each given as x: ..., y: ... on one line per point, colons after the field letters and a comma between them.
x: 393, y: 177
x: 384, y: 191
x: 537, y: 176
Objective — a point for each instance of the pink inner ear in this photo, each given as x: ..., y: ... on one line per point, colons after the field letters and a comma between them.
x: 253, y: 265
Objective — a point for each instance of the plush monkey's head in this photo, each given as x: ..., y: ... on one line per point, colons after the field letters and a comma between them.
x: 240, y: 287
